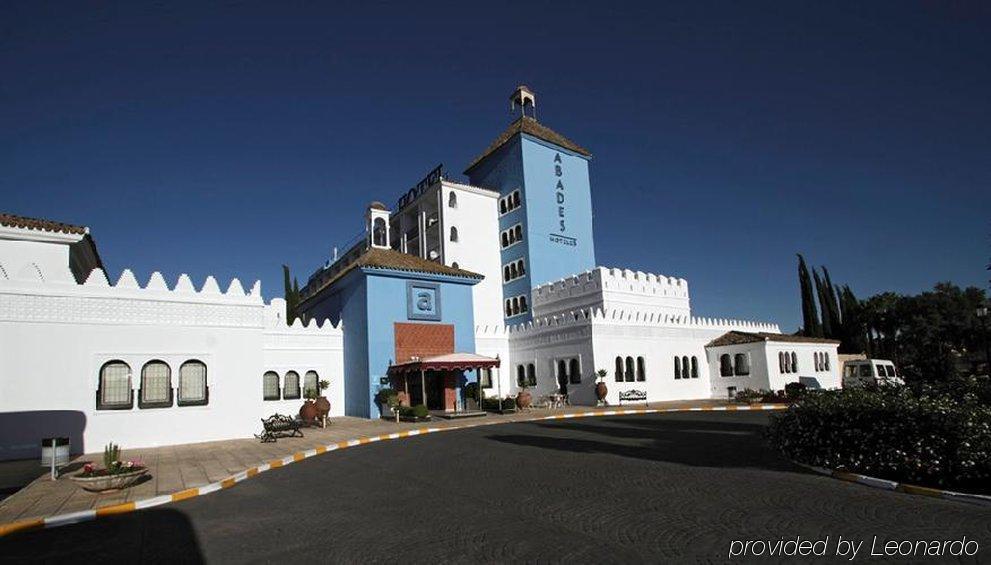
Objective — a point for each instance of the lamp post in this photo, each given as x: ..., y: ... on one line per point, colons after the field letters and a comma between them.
x: 982, y: 315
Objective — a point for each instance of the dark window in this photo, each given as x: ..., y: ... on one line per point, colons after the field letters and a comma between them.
x: 505, y: 239
x: 518, y: 232
x: 452, y: 200
x: 619, y: 369
x: 520, y: 375
x: 516, y: 198
x: 193, y: 389
x: 574, y: 372
x: 695, y: 367
x: 156, y: 385
x: 630, y: 377
x: 523, y: 306
x: 502, y: 206
x: 562, y: 370
x: 378, y: 232
x: 794, y: 362
x: 725, y: 365
x: 741, y: 364
x: 270, y: 386
x: 684, y: 367
x: 531, y: 375
x: 677, y: 367
x: 505, y: 274
x: 114, y: 392
x: 781, y: 362
x: 454, y: 231
x: 641, y: 369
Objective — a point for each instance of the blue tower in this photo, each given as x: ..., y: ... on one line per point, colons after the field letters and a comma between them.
x: 545, y: 213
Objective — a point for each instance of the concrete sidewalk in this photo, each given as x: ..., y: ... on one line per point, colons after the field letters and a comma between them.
x: 180, y: 467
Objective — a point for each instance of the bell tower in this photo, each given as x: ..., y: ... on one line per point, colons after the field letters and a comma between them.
x: 524, y: 99
x: 377, y: 225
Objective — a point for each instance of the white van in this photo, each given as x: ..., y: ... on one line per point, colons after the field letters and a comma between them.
x: 870, y: 371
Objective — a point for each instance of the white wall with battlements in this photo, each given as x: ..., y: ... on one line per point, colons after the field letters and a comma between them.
x: 613, y: 289
x: 56, y: 335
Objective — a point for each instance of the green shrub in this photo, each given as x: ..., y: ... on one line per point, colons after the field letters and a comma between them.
x: 384, y: 394
x: 749, y: 395
x: 493, y: 403
x: 795, y: 391
x: 471, y: 391
x: 418, y: 411
x: 895, y: 433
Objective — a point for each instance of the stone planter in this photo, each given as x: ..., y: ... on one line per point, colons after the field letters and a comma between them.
x: 601, y: 390
x: 104, y: 483
x: 323, y: 407
x: 308, y: 413
x: 523, y: 399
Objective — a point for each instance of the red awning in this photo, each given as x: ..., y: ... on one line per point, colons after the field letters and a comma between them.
x: 449, y: 362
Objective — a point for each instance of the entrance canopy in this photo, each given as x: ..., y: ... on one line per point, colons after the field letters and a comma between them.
x: 449, y: 362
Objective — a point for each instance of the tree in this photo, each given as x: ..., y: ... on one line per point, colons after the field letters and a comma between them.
x: 827, y: 320
x: 291, y: 295
x: 810, y: 318
x: 830, y: 303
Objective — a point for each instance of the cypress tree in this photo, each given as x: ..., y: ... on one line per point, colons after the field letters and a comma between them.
x: 810, y: 318
x: 295, y: 300
x: 287, y: 294
x: 832, y: 304
x: 827, y: 320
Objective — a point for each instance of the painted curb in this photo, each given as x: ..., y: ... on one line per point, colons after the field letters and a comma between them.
x: 895, y: 486
x: 124, y: 508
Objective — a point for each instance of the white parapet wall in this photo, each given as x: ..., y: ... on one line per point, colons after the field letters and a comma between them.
x: 57, y: 335
x: 613, y: 289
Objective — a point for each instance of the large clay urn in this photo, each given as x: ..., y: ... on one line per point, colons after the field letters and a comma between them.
x: 308, y: 413
x: 323, y: 407
x: 601, y: 390
x: 523, y: 399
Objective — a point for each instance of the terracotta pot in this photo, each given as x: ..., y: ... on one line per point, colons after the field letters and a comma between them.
x: 601, y: 390
x: 103, y: 483
x: 308, y: 412
x: 523, y: 399
x: 323, y: 406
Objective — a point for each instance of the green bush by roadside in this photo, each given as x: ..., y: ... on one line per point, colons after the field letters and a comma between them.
x: 932, y: 437
x: 418, y: 411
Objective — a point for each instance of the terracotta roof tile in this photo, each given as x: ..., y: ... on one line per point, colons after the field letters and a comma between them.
x: 529, y: 126
x: 13, y: 221
x: 736, y: 338
x: 375, y: 258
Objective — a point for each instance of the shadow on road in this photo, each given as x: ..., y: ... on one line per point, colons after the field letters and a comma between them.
x: 149, y: 536
x: 695, y: 443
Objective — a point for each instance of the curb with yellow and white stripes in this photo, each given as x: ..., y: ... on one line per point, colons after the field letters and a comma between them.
x: 126, y: 507
x: 885, y: 484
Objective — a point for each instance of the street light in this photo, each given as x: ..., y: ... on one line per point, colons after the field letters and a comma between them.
x: 982, y: 315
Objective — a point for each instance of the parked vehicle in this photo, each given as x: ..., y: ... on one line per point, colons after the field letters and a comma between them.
x: 862, y: 372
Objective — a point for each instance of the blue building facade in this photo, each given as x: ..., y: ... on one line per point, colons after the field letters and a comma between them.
x: 551, y: 174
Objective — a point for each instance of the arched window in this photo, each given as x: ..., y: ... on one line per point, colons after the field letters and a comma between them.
x: 641, y: 369
x: 677, y: 367
x: 619, y: 369
x: 520, y: 376
x: 826, y: 361
x: 684, y: 367
x: 505, y: 274
x: 562, y: 370
x: 452, y: 200
x: 455, y: 265
x: 523, y: 306
x: 725, y: 365
x: 454, y: 232
x: 518, y: 232
x: 513, y: 273
x: 311, y: 381
x: 114, y: 390
x: 502, y: 206
x: 794, y: 362
x: 193, y: 388
x: 522, y: 267
x: 509, y: 307
x: 531, y: 375
x: 781, y: 362
x: 574, y: 372
x: 695, y: 367
x: 156, y: 385
x: 741, y: 364
x: 290, y: 386
x: 516, y: 198
x: 270, y: 386
x: 629, y: 370
x: 505, y: 239
x: 516, y: 305
x: 378, y: 232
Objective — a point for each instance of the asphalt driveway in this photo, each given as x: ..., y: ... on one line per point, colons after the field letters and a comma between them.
x: 656, y: 488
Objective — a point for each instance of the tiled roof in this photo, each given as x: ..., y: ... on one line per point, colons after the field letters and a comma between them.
x: 736, y: 338
x: 12, y: 221
x: 376, y: 258
x: 529, y: 126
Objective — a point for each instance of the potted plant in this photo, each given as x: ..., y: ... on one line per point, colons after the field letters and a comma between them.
x: 308, y: 413
x: 323, y: 405
x: 387, y: 398
x: 418, y: 413
x: 601, y: 390
x: 116, y: 473
x: 523, y: 399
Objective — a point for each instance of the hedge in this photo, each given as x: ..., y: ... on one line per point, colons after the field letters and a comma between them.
x: 927, y: 437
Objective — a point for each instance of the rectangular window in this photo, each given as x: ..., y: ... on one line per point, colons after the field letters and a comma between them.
x: 486, y: 377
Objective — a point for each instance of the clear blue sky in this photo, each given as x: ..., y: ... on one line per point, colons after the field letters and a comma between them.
x: 726, y: 136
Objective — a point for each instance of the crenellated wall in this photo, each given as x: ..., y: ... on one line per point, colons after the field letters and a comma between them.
x: 611, y: 289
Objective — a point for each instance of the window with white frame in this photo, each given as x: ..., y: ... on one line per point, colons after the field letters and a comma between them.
x: 511, y: 236
x: 270, y: 385
x: 156, y: 385
x: 114, y: 389
x: 725, y: 365
x: 452, y: 200
x: 454, y: 232
x: 193, y: 388
x: 520, y: 375
x: 531, y: 374
x: 513, y: 270
x: 311, y: 381
x: 741, y: 364
x: 516, y: 305
x: 510, y: 202
x: 290, y: 386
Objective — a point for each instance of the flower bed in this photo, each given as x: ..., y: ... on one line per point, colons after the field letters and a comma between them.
x: 926, y: 437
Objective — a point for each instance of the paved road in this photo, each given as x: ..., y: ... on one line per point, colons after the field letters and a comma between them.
x: 661, y: 488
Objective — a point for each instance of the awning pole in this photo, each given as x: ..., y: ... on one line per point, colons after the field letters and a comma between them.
x: 423, y: 388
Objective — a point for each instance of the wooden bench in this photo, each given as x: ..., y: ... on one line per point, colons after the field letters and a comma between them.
x: 632, y: 396
x: 278, y: 425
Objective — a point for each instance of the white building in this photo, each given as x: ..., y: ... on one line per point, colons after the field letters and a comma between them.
x: 499, y: 270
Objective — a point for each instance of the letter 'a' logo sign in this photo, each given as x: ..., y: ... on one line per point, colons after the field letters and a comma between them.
x: 423, y: 301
